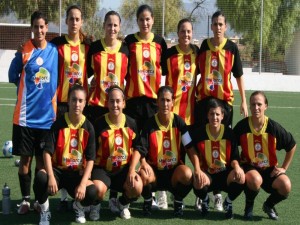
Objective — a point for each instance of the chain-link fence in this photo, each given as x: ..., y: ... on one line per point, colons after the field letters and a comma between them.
x: 267, y: 31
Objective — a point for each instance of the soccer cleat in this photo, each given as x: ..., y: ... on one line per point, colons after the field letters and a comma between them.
x: 147, y: 206
x: 124, y: 211
x: 79, y: 211
x: 272, y: 213
x: 228, y: 209
x: 62, y: 206
x: 37, y: 207
x: 218, y: 201
x: 113, y: 205
x: 45, y: 217
x: 24, y: 207
x: 154, y: 204
x: 205, y: 206
x: 198, y: 202
x: 95, y: 212
x: 162, y: 201
x: 178, y: 208
x: 248, y: 212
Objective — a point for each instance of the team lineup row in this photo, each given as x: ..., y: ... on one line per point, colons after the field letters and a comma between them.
x: 87, y: 156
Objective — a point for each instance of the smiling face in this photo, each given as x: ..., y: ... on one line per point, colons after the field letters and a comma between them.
x: 39, y: 29
x: 145, y: 22
x: 185, y: 33
x: 112, y: 27
x: 215, y: 117
x: 116, y: 102
x: 258, y: 106
x: 76, y: 102
x: 219, y: 27
x: 74, y: 21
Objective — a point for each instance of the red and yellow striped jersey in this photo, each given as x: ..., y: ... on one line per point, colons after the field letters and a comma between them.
x: 181, y: 76
x: 161, y: 145
x: 216, y: 154
x: 109, y: 67
x: 147, y: 64
x: 259, y: 147
x: 114, y: 144
x: 71, y: 65
x: 71, y: 146
x: 216, y: 66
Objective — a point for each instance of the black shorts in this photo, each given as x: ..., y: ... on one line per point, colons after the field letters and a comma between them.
x: 218, y: 181
x: 163, y: 180
x: 28, y: 141
x: 140, y: 109
x: 114, y: 181
x: 67, y: 179
x: 94, y: 112
x: 200, y: 112
x: 266, y: 176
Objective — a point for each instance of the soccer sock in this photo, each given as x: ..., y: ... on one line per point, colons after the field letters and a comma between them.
x: 113, y: 194
x: 63, y: 195
x: 274, y: 199
x: 25, y: 185
x: 45, y: 206
x: 201, y: 193
x: 181, y: 191
x: 146, y: 193
x: 90, y: 195
x: 250, y: 195
x: 234, y: 190
x: 124, y: 200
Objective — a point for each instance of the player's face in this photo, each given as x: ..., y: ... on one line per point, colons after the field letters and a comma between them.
x: 77, y: 102
x: 215, y: 117
x: 39, y: 29
x: 219, y: 26
x: 116, y: 103
x: 258, y: 106
x: 165, y: 103
x: 112, y: 27
x: 74, y: 21
x: 185, y: 33
x: 145, y: 22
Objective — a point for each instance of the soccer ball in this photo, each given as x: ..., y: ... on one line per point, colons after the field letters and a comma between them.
x: 7, y: 149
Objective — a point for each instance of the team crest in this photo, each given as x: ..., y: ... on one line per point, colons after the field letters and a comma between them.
x: 39, y: 61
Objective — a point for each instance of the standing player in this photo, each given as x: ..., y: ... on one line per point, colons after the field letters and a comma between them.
x: 107, y: 62
x: 162, y: 166
x: 117, y: 136
x: 218, y: 58
x: 34, y: 71
x: 219, y: 157
x: 72, y: 53
x: 147, y: 65
x: 69, y: 154
x: 260, y: 137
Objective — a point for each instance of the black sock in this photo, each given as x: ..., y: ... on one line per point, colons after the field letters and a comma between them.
x: 25, y: 185
x: 147, y: 191
x: 113, y: 194
x: 181, y: 191
x: 234, y: 190
x: 250, y: 195
x: 275, y: 198
x: 201, y: 193
x: 90, y: 195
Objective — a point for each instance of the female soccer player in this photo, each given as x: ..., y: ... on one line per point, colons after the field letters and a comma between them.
x: 260, y: 137
x: 162, y: 165
x: 108, y: 62
x: 69, y: 154
x: 34, y: 71
x: 219, y: 158
x: 117, y: 139
x: 147, y: 65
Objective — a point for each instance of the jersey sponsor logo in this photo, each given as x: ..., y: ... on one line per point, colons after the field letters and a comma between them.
x: 168, y: 160
x: 146, y: 70
x: 108, y: 81
x: 261, y: 160
x: 118, y: 157
x: 73, y: 73
x: 74, y: 158
x: 41, y: 77
x: 186, y: 81
x: 215, y: 78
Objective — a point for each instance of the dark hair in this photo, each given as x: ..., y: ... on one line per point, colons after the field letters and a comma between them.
x: 111, y: 13
x: 217, y: 14
x: 259, y: 93
x: 143, y: 8
x: 163, y: 89
x: 72, y: 7
x: 182, y: 21
x: 38, y: 15
x: 76, y: 87
x: 215, y: 103
x: 115, y: 87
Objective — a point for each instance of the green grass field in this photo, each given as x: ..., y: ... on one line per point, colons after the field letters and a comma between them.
x: 284, y: 108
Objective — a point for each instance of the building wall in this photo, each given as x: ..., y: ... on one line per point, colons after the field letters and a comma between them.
x: 292, y: 57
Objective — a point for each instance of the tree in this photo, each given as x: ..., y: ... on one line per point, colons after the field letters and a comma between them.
x: 281, y: 18
x: 174, y: 11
